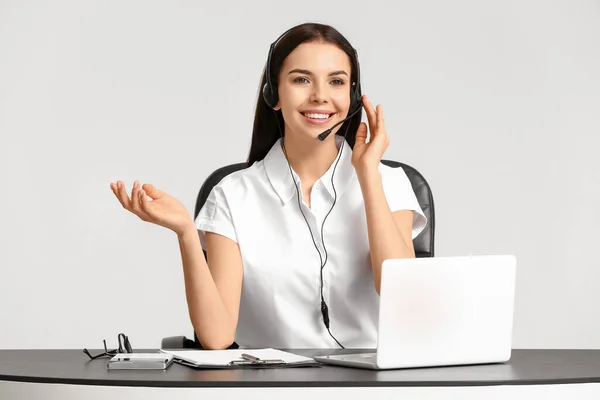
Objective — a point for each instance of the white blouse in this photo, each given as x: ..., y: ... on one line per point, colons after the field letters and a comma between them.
x: 257, y: 207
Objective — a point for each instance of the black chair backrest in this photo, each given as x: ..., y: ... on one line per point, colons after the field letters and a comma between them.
x: 423, y: 244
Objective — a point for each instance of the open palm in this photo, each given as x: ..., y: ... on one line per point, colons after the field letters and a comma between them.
x: 162, y: 209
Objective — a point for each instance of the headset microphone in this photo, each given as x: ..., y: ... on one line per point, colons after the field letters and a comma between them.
x: 324, y: 135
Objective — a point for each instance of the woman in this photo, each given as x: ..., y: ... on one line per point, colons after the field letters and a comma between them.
x: 276, y: 274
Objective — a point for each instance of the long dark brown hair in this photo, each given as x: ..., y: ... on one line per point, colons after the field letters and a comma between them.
x: 266, y: 132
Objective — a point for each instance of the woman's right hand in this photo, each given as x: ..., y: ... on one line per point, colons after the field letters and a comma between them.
x: 162, y: 209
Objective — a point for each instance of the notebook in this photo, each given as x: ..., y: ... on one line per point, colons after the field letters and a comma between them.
x: 253, y: 358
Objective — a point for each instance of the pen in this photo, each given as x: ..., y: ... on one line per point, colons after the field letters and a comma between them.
x: 255, y: 359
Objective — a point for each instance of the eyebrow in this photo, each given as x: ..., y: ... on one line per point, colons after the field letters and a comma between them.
x: 307, y: 72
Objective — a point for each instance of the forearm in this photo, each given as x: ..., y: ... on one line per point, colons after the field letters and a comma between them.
x: 210, y: 318
x: 385, y: 239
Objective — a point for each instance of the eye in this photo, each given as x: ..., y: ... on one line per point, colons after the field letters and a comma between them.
x: 303, y: 79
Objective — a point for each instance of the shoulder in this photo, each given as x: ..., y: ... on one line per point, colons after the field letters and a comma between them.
x: 397, y: 185
x: 393, y: 174
x: 239, y: 182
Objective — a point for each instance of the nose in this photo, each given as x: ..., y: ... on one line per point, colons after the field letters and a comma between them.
x: 319, y: 93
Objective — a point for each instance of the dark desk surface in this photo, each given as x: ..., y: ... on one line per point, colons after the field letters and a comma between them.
x: 526, y: 367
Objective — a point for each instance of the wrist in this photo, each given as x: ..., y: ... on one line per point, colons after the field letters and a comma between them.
x: 368, y: 172
x: 187, y: 230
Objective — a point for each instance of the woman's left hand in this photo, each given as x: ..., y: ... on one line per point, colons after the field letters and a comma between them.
x: 366, y: 156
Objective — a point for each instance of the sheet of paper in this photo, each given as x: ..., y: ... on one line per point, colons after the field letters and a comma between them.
x: 224, y: 357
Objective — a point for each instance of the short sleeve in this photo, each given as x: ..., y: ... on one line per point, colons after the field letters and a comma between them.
x: 215, y: 216
x: 401, y: 196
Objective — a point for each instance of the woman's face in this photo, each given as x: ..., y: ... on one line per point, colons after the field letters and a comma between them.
x: 314, y: 88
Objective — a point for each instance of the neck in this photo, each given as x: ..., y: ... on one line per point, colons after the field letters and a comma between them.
x: 310, y: 158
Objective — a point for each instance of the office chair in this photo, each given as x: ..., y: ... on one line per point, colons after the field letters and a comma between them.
x: 423, y: 244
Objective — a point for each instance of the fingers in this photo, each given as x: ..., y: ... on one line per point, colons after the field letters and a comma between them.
x: 147, y: 206
x: 361, y: 133
x: 135, y: 197
x: 151, y: 191
x: 144, y: 203
x: 376, y: 122
x: 371, y: 114
x: 380, y: 119
x: 119, y: 191
x: 132, y: 204
x: 380, y: 134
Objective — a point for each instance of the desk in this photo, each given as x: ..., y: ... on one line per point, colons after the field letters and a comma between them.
x: 68, y: 374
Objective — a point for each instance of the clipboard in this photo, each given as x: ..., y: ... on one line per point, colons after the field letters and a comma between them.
x: 240, y: 359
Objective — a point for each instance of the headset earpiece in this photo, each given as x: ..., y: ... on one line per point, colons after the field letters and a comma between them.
x: 270, y: 95
x: 355, y: 93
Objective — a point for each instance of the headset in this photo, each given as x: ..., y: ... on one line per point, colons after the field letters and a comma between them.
x: 271, y: 97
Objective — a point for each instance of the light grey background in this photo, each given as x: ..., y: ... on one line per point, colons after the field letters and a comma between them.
x: 495, y: 102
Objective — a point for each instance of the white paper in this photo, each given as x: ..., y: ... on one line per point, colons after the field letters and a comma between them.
x: 224, y: 357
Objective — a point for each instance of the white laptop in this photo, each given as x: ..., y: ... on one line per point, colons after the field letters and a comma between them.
x: 441, y: 311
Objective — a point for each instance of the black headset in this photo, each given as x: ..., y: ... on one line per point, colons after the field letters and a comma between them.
x: 271, y: 97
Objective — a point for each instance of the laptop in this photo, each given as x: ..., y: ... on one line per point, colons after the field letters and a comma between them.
x: 441, y: 311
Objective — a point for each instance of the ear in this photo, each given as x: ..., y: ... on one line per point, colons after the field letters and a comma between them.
x: 277, y: 107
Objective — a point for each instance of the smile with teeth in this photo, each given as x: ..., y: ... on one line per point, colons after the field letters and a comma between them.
x: 317, y: 118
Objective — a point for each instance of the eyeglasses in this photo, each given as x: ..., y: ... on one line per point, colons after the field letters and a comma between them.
x: 124, y: 347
